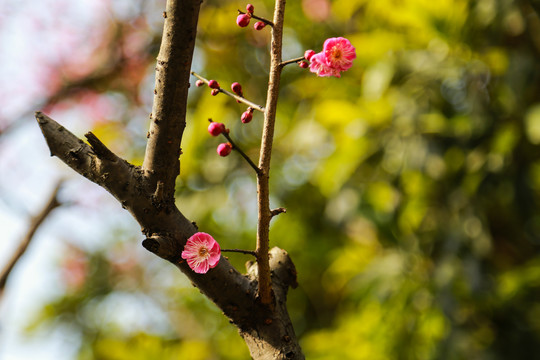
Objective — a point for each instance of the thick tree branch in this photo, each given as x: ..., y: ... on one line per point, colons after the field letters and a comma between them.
x: 35, y: 223
x: 167, y: 231
x: 276, y: 340
x: 147, y: 192
x: 96, y: 162
x: 168, y: 118
x: 263, y: 192
x: 166, y: 228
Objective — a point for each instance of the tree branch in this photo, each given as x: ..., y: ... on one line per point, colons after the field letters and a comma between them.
x: 263, y: 192
x: 292, y: 61
x: 147, y: 192
x: 241, y: 152
x: 168, y: 118
x: 167, y: 231
x: 35, y: 223
x: 166, y: 228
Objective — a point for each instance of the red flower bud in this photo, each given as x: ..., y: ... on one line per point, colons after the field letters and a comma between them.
x: 247, y: 115
x: 303, y: 64
x: 215, y: 92
x: 242, y: 20
x: 213, y: 84
x: 250, y: 8
x: 224, y: 149
x: 199, y: 83
x: 216, y: 128
x: 259, y: 25
x: 308, y: 54
x: 236, y: 88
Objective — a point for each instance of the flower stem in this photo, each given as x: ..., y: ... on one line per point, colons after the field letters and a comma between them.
x: 239, y: 98
x: 248, y: 252
x: 266, y: 21
x: 235, y: 147
x: 292, y: 61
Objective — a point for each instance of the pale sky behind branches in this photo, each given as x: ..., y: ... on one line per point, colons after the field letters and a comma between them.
x: 36, y: 39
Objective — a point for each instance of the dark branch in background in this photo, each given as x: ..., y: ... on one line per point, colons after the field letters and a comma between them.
x: 239, y: 98
x: 35, y: 223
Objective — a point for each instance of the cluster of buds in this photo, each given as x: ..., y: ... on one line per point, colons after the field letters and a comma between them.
x: 213, y: 84
x: 243, y: 19
x: 201, y: 251
x: 215, y: 129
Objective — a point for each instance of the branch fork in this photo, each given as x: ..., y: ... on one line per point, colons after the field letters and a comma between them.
x: 261, y: 316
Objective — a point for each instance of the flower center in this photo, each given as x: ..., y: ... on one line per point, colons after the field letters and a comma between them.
x: 203, y: 251
x: 336, y: 53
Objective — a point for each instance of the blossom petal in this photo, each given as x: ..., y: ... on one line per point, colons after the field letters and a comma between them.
x: 318, y: 65
x: 201, y: 252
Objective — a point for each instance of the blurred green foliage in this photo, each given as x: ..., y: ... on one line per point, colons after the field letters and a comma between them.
x: 411, y: 184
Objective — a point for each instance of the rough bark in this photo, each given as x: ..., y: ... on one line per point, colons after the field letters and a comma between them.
x: 147, y: 192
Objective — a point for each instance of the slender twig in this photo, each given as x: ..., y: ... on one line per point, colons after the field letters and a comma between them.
x: 292, y: 61
x: 266, y: 21
x: 263, y: 192
x: 278, y: 211
x: 248, y: 252
x: 35, y: 223
x: 237, y: 148
x: 239, y: 98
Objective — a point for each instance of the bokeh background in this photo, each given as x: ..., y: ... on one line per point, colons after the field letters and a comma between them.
x: 411, y: 184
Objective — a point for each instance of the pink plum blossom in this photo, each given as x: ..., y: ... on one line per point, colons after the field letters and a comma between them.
x: 339, y: 53
x: 337, y: 56
x: 201, y: 252
x: 319, y: 66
